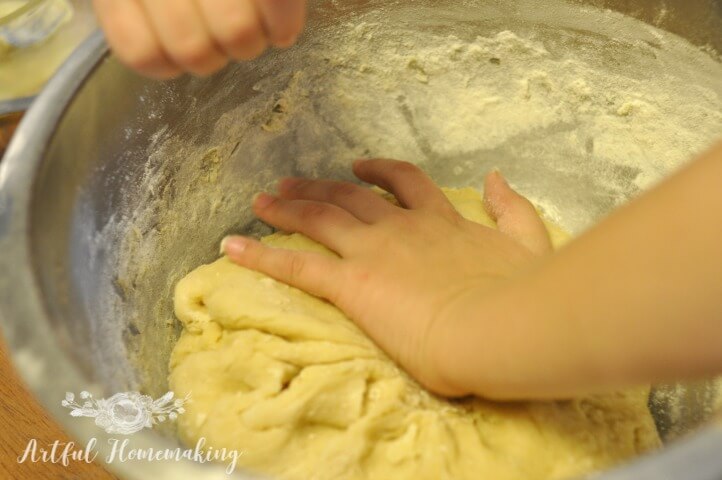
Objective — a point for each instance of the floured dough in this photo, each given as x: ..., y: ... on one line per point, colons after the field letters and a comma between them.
x: 291, y: 382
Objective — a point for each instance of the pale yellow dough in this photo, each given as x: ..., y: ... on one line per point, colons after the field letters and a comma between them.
x: 291, y: 382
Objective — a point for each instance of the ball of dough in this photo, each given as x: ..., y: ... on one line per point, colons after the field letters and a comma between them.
x: 293, y: 384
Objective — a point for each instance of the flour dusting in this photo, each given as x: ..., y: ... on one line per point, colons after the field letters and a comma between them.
x: 581, y: 108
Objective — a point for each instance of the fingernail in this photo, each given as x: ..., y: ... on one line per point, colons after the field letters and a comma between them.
x: 262, y: 200
x: 233, y: 246
x: 357, y: 163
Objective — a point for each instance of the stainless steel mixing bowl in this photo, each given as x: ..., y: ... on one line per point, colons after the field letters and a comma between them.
x: 98, y: 221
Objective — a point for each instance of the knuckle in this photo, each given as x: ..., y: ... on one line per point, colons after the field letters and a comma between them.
x: 257, y: 254
x: 360, y: 275
x: 240, y: 33
x: 285, y: 35
x: 258, y: 258
x: 272, y: 205
x: 399, y: 219
x: 448, y: 211
x: 263, y: 258
x: 303, y: 185
x: 523, y: 206
x: 141, y: 57
x: 386, y: 237
x: 530, y: 206
x: 342, y: 190
x: 405, y: 168
x: 355, y: 274
x: 336, y: 292
x: 314, y: 211
x: 296, y: 267
x: 194, y: 52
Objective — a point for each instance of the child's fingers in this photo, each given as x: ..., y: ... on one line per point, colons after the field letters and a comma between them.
x: 361, y: 202
x: 236, y: 26
x: 407, y: 182
x: 283, y: 19
x: 184, y: 35
x: 515, y: 216
x: 312, y: 272
x: 130, y: 34
x: 328, y: 224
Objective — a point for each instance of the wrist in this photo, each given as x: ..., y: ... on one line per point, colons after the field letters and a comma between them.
x: 475, y: 348
x: 510, y: 344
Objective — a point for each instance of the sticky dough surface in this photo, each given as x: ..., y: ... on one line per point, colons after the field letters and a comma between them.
x: 290, y: 381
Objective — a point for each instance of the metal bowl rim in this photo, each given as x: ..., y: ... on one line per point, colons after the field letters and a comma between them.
x: 21, y: 315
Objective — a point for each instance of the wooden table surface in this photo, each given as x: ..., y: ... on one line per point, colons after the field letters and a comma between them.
x: 7, y: 127
x: 21, y: 416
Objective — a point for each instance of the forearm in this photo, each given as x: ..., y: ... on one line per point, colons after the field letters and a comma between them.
x: 637, y: 299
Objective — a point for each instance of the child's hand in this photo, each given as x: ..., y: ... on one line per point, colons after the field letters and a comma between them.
x: 164, y: 38
x: 405, y: 273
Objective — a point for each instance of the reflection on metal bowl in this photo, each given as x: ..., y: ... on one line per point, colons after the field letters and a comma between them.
x: 107, y: 196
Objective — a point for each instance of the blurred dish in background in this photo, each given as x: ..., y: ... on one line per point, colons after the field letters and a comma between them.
x: 36, y: 36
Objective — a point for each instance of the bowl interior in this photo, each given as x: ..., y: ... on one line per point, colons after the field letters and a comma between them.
x: 575, y: 104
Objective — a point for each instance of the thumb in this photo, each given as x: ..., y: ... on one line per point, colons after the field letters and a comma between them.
x: 514, y: 215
